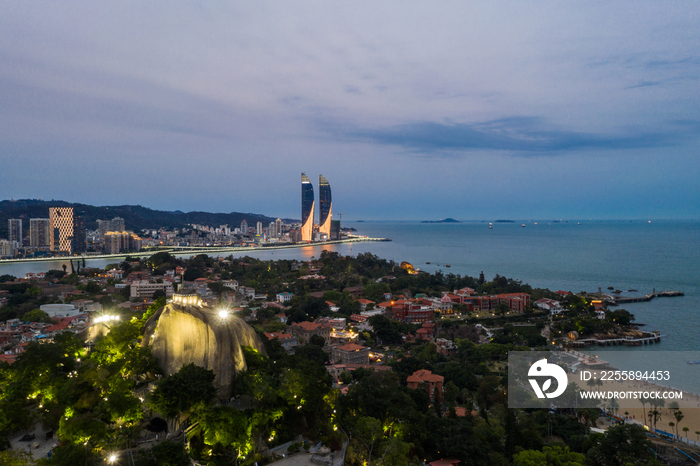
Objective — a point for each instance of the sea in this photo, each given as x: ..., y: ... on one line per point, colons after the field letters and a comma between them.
x: 573, y: 255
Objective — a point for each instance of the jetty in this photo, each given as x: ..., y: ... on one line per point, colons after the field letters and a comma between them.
x: 647, y: 338
x: 616, y: 300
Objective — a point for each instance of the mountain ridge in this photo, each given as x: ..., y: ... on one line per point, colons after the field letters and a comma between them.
x: 136, y: 217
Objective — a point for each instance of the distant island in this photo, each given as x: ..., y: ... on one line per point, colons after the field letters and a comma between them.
x: 445, y: 220
x: 505, y: 221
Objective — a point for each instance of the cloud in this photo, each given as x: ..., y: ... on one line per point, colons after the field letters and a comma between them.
x: 517, y: 134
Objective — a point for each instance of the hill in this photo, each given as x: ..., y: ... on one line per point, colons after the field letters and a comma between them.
x: 135, y: 217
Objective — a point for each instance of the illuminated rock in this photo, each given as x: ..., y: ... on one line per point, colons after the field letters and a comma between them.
x: 179, y: 334
x: 408, y: 267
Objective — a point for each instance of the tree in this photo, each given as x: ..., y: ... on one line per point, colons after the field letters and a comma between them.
x: 166, y: 453
x: 502, y: 308
x: 345, y: 377
x: 317, y: 340
x: 37, y: 315
x: 16, y: 458
x: 678, y: 414
x: 621, y: 445
x: 227, y: 427
x: 180, y: 392
x: 368, y: 430
x: 549, y: 456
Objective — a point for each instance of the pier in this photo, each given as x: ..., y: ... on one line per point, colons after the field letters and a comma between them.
x: 647, y: 338
x: 616, y: 300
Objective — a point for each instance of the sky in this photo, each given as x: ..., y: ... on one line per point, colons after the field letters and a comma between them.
x: 411, y: 110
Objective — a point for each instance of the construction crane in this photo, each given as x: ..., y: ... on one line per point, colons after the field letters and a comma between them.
x: 340, y: 215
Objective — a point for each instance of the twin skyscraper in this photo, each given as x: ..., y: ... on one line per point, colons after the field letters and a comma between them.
x: 308, y: 204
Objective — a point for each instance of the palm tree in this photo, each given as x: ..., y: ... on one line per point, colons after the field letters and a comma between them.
x: 671, y: 424
x: 644, y: 408
x: 685, y: 429
x: 679, y: 417
x: 656, y: 416
x: 697, y: 432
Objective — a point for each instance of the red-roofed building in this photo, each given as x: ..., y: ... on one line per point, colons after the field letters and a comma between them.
x: 8, y: 358
x: 423, y: 334
x: 358, y: 318
x: 462, y: 412
x: 287, y: 341
x: 445, y: 462
x: 427, y: 380
x: 563, y: 293
x: 364, y: 303
x: 406, y: 311
x: 355, y: 291
x: 304, y: 330
x: 350, y: 353
x: 465, y: 292
x: 517, y: 302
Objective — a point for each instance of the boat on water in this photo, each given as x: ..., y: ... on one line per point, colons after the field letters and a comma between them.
x: 490, y: 227
x: 632, y: 291
x: 427, y: 262
x: 448, y: 265
x: 693, y: 362
x: 523, y: 225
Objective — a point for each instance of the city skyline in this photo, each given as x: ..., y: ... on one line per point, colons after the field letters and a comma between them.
x: 471, y: 111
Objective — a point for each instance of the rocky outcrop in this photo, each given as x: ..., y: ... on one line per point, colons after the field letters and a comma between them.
x: 180, y: 334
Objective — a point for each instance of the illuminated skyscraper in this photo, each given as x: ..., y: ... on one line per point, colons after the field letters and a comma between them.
x: 66, y: 230
x: 324, y: 206
x: 307, y: 208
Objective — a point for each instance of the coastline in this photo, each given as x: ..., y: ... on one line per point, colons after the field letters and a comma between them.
x: 176, y: 250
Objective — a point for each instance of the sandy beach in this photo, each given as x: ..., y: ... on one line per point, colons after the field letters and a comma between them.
x: 633, y: 409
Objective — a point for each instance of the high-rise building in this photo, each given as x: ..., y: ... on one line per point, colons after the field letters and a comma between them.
x: 258, y: 228
x: 103, y: 226
x: 39, y: 232
x: 272, y: 230
x: 118, y: 241
x: 335, y: 229
x: 7, y: 248
x: 307, y: 208
x: 14, y: 230
x: 244, y: 227
x: 278, y: 227
x: 66, y: 230
x: 324, y: 206
x: 117, y: 224
x: 79, y: 243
